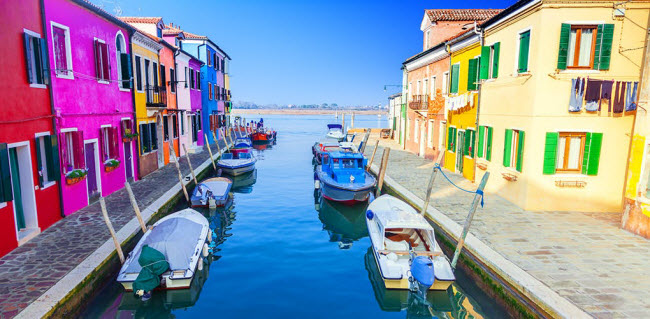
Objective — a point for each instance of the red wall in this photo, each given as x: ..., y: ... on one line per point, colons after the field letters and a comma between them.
x: 24, y: 111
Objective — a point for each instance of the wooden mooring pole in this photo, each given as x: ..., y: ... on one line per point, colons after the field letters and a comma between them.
x: 372, y: 158
x: 180, y: 174
x: 210, y: 151
x: 120, y: 253
x: 187, y: 157
x: 362, y: 146
x: 423, y: 211
x: 134, y: 203
x: 382, y: 171
x: 468, y: 221
x: 216, y: 141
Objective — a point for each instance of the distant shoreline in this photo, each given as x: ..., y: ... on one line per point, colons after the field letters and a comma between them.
x: 305, y: 111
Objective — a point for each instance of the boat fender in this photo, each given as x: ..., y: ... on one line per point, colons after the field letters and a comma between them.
x: 370, y: 214
x: 317, y: 184
x: 200, y: 265
x: 206, y: 250
x: 210, y: 236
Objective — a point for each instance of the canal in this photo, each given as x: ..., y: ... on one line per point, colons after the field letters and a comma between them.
x: 279, y: 253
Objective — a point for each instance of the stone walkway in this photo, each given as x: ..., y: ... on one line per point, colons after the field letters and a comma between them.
x: 31, y: 269
x: 584, y: 257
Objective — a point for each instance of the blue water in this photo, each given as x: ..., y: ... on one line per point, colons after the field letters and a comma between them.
x: 281, y: 253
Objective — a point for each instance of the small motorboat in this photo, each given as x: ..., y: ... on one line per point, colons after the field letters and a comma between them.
x: 260, y: 137
x: 237, y: 165
x: 168, y: 254
x: 324, y: 146
x: 212, y: 192
x: 241, y: 145
x: 405, y: 247
x: 335, y: 131
x: 342, y: 177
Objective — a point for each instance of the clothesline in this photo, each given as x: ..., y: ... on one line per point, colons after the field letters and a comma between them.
x: 594, y: 92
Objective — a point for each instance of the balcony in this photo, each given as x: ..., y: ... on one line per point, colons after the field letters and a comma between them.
x: 156, y: 96
x: 419, y: 102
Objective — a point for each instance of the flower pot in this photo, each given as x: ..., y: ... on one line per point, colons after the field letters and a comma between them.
x: 108, y: 169
x: 73, y: 180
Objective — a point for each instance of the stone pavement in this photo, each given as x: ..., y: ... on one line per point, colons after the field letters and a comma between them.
x: 31, y: 269
x: 584, y: 257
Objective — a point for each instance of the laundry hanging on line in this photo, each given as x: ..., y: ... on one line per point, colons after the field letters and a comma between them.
x: 621, y: 94
x: 577, y: 94
x: 592, y: 95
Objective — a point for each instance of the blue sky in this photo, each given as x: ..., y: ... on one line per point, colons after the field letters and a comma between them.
x: 306, y: 51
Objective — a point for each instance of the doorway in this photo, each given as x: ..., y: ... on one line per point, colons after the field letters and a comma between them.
x: 459, y: 151
x: 128, y: 159
x: 93, y: 177
x: 161, y: 150
x: 22, y: 186
x: 423, y: 137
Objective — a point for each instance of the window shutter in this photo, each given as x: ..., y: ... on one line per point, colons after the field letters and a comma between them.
x: 28, y: 58
x: 45, y: 61
x: 481, y: 137
x: 454, y: 139
x: 495, y: 60
x: 471, y: 74
x: 592, y: 154
x: 97, y: 59
x: 449, y: 136
x: 507, y: 148
x: 585, y: 154
x: 524, y: 46
x: 114, y: 139
x: 565, y: 32
x: 520, y: 151
x: 605, y: 46
x: 472, y: 141
x: 79, y: 158
x: 102, y: 155
x: 489, y: 144
x: 39, y: 161
x: 455, y: 69
x: 6, y: 194
x: 64, y: 152
x: 52, y: 158
x: 466, y: 142
x: 485, y: 63
x: 106, y: 73
x: 550, y: 153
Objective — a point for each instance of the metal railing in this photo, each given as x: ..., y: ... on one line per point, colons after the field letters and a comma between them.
x: 419, y: 102
x: 156, y: 96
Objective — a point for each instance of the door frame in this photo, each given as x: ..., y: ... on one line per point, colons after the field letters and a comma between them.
x: 160, y: 157
x: 25, y: 161
x: 424, y: 139
x: 460, y: 149
x: 130, y: 162
x: 97, y: 167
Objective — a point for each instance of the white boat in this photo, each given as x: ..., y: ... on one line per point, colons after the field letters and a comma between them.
x: 181, y: 238
x: 335, y: 131
x: 216, y: 189
x: 405, y: 248
x: 242, y: 164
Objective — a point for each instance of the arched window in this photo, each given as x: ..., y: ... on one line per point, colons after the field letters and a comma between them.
x: 123, y: 59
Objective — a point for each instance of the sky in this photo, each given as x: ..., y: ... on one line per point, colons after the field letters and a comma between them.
x: 306, y: 51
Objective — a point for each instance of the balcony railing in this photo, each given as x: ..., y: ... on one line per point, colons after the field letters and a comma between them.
x: 156, y: 96
x: 419, y: 102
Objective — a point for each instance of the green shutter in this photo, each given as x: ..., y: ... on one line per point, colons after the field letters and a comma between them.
x: 520, y: 150
x: 485, y: 63
x: 489, y: 144
x: 585, y: 154
x: 6, y: 194
x: 472, y: 74
x: 481, y: 137
x: 455, y: 71
x: 550, y: 153
x: 524, y: 46
x: 45, y: 61
x: 28, y: 57
x: 592, y: 153
x: 466, y: 142
x: 507, y: 148
x: 472, y: 143
x: 39, y: 161
x: 125, y: 65
x: 563, y: 53
x: 495, y: 60
x: 449, y: 135
x: 454, y: 138
x: 52, y: 158
x: 605, y: 54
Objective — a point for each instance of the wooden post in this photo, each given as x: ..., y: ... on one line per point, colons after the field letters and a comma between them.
x: 134, y: 203
x: 180, y: 175
x: 187, y: 157
x: 120, y: 253
x: 382, y: 171
x: 372, y: 158
x: 216, y: 141
x: 423, y: 211
x: 468, y: 221
x: 209, y: 151
x: 343, y: 122
x: 362, y: 146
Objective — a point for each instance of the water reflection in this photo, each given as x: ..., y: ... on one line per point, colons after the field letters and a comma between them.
x: 243, y: 184
x: 344, y: 224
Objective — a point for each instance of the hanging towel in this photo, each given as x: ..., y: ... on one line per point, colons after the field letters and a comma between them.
x: 592, y: 95
x: 619, y: 97
x: 577, y: 94
x: 630, y: 102
x: 606, y: 94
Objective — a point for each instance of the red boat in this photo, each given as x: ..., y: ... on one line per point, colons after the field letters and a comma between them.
x: 261, y: 137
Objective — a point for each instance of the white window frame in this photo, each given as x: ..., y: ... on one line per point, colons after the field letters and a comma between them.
x: 416, y: 131
x: 426, y: 39
x: 135, y: 74
x: 433, y: 86
x: 68, y: 51
x: 102, y: 81
x: 445, y: 83
x: 430, y: 135
x: 516, y: 66
x: 46, y: 183
x: 513, y: 149
x: 119, y: 60
x: 442, y: 138
x: 35, y: 85
x: 485, y: 141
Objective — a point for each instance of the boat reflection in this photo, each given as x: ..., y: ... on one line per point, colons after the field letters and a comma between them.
x: 243, y: 184
x: 344, y: 224
x: 263, y: 147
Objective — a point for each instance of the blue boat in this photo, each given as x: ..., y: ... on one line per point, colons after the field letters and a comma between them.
x: 342, y: 177
x: 214, y: 189
x: 237, y: 164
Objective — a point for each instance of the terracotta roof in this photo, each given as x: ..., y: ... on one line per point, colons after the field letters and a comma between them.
x: 171, y: 30
x: 461, y: 14
x: 458, y: 35
x: 194, y: 36
x: 152, y: 20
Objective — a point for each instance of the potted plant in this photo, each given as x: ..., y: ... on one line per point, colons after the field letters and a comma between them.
x: 111, y: 164
x: 128, y: 137
x: 74, y: 176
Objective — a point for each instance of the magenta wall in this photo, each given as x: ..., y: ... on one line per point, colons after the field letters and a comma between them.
x: 84, y: 103
x: 195, y: 98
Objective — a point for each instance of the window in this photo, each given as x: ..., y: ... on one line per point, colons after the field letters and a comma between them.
x: 6, y: 194
x: 524, y: 47
x: 175, y: 125
x: 572, y: 152
x: 430, y: 136
x: 62, y: 51
x: 36, y: 59
x: 445, y: 83
x: 124, y: 62
x: 47, y: 159
x: 489, y: 65
x: 417, y: 92
x: 182, y: 122
x: 468, y: 146
x: 426, y: 39
x: 165, y: 128
x: 72, y: 151
x: 455, y: 73
x: 513, y: 153
x: 485, y: 142
x: 442, y: 136
x: 153, y: 131
x: 410, y: 89
x: 425, y: 88
x: 198, y: 120
x: 209, y: 91
x: 585, y: 46
x: 109, y: 144
x: 433, y: 86
x: 198, y: 80
x: 155, y: 75
x: 192, y: 79
x: 416, y: 130
x: 223, y: 61
x: 148, y: 137
x: 138, y: 73
x: 451, y: 139
x: 217, y: 92
x: 101, y: 61
x: 216, y: 61
x: 209, y: 60
x: 472, y: 75
x: 172, y: 80
x: 163, y: 76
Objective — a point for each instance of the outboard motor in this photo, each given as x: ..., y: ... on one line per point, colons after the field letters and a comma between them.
x: 422, y: 274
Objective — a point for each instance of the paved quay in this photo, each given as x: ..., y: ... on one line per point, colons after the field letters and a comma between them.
x: 31, y: 270
x: 584, y: 258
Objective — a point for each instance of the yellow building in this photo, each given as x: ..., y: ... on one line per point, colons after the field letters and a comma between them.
x: 546, y: 147
x: 462, y: 103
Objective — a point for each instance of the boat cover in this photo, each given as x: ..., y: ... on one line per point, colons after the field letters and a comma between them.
x: 331, y: 126
x: 394, y: 213
x: 218, y: 188
x: 176, y: 239
x: 153, y: 265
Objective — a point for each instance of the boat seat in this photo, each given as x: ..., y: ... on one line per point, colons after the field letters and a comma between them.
x: 396, y: 245
x: 401, y: 237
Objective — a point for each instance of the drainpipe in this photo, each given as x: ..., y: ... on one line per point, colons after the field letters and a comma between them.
x: 172, y: 82
x: 198, y: 55
x: 481, y: 38
x: 51, y: 94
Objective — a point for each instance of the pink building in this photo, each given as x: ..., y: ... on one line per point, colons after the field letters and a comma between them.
x: 93, y: 106
x: 196, y: 124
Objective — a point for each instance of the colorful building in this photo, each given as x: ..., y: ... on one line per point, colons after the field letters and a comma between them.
x: 543, y: 139
x: 196, y: 104
x: 91, y: 92
x: 29, y: 155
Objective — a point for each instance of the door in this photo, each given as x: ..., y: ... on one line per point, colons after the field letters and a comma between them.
x: 92, y: 177
x: 161, y: 144
x: 128, y: 161
x: 459, y: 151
x: 16, y: 188
x: 423, y: 137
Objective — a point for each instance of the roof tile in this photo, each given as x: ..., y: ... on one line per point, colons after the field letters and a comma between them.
x: 153, y: 20
x: 461, y: 14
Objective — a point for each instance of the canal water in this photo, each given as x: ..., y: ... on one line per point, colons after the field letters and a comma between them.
x: 279, y: 252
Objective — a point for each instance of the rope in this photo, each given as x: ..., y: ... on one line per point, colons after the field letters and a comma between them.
x: 478, y: 192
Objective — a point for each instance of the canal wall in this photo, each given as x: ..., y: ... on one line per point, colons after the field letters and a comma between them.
x: 67, y: 296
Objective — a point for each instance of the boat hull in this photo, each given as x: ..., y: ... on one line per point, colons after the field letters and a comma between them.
x: 345, y: 196
x: 236, y: 171
x: 260, y: 138
x: 165, y: 283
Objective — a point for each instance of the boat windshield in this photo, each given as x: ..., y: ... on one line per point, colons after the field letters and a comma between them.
x: 347, y: 163
x: 244, y: 155
x: 226, y: 156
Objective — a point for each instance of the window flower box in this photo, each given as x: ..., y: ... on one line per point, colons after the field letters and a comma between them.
x: 129, y: 137
x: 75, y: 176
x: 482, y: 166
x: 509, y: 177
x: 111, y: 164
